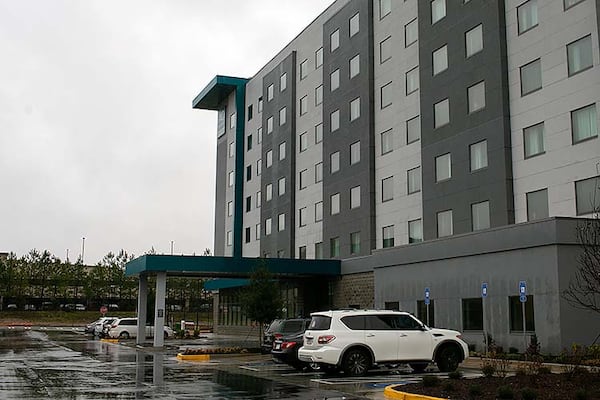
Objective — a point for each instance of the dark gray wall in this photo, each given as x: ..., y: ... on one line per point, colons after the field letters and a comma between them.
x: 285, y: 168
x: 493, y: 183
x: 361, y: 219
x: 220, y: 197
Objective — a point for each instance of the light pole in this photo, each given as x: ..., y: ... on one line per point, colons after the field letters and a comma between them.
x: 82, y: 250
x: 171, y: 247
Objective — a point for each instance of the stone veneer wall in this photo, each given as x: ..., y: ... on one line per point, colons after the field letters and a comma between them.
x: 354, y: 289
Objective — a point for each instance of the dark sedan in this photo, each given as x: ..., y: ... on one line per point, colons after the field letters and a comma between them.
x: 285, y: 350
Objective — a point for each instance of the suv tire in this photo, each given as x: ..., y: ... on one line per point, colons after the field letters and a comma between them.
x: 124, y: 335
x: 356, y: 362
x: 418, y: 367
x: 448, y: 358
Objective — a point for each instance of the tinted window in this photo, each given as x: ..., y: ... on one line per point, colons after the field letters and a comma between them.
x: 356, y: 322
x: 406, y: 322
x: 380, y: 322
x: 291, y: 326
x: 128, y: 322
x: 320, y: 323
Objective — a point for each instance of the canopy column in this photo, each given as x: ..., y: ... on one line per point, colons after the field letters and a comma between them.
x: 142, y: 309
x: 159, y: 317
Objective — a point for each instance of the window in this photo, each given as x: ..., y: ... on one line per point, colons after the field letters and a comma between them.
x: 587, y: 194
x: 474, y: 40
x: 354, y: 24
x: 318, y: 211
x: 533, y: 140
x: 415, y: 231
x: 281, y: 222
x: 303, y: 178
x: 270, y: 125
x: 386, y: 95
x: 260, y: 104
x: 476, y: 97
x: 334, y: 159
x: 318, y: 250
x: 355, y: 109
x: 259, y: 135
x: 231, y: 149
x: 354, y: 66
x: 248, y: 172
x: 283, y: 82
x: 584, y: 123
x: 440, y: 59
x: 531, y: 77
x: 438, y: 10
x: 318, y: 172
x: 230, y: 178
x: 441, y: 113
x: 229, y: 208
x: 302, y: 216
x: 334, y: 39
x: 334, y: 120
x: 229, y: 238
x: 269, y: 191
x: 537, y: 205
x: 334, y: 247
x: 426, y: 314
x: 303, y: 105
x: 318, y: 133
x: 248, y: 203
x: 335, y: 204
x: 269, y: 160
x: 385, y: 50
x: 258, y: 199
x: 247, y: 235
x: 268, y: 226
x: 472, y: 314
x: 388, y: 236
x: 281, y: 186
x: 478, y: 152
x: 387, y: 188
x: 302, y: 252
x: 580, y: 55
x: 334, y: 79
x: 516, y: 314
x: 387, y: 141
x: 413, y: 176
x: 281, y: 151
x: 303, y: 142
x: 392, y: 305
x: 319, y: 57
x: 270, y: 91
x: 257, y: 231
x: 250, y: 112
x: 282, y: 116
x: 249, y: 143
x: 232, y: 119
x: 413, y: 130
x: 318, y: 95
x: 444, y: 223
x: 527, y: 16
x: 355, y: 197
x: 355, y: 153
x: 443, y: 167
x: 412, y: 80
x: 385, y: 7
x: 303, y: 69
x: 411, y: 32
x: 570, y: 3
x: 480, y: 216
x: 355, y: 243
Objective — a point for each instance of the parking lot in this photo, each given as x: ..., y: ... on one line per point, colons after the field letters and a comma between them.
x: 63, y: 363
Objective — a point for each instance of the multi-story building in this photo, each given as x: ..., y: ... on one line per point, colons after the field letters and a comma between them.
x: 441, y: 130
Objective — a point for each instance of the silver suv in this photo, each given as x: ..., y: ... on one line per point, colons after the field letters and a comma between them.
x: 356, y: 340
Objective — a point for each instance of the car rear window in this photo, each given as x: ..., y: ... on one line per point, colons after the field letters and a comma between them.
x: 291, y: 326
x: 275, y: 325
x: 320, y: 323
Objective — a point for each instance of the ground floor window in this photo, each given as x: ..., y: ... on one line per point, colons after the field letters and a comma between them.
x: 392, y: 305
x: 516, y: 314
x: 472, y: 314
x: 422, y: 312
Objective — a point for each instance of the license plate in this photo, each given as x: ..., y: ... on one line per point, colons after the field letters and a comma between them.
x: 309, y: 341
x: 277, y: 346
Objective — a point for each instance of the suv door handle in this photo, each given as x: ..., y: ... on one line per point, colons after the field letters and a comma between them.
x: 370, y: 335
x: 403, y: 335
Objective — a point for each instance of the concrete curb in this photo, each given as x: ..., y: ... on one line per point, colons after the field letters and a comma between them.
x: 391, y: 393
x: 110, y: 340
x: 193, y: 357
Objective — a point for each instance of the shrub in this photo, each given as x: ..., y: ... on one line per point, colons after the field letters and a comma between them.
x: 455, y: 375
x: 528, y: 394
x: 534, y: 347
x: 430, y: 381
x: 513, y: 350
x: 505, y: 392
x: 488, y: 370
x: 475, y: 390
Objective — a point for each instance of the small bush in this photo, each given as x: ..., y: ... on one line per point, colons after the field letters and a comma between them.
x: 488, y: 370
x: 581, y: 394
x: 513, y: 350
x: 430, y: 381
x: 449, y: 387
x: 505, y: 392
x: 528, y: 394
x: 475, y: 390
x: 455, y: 375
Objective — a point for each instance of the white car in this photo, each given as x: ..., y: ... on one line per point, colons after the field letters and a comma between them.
x: 125, y: 328
x: 356, y: 340
x: 96, y: 326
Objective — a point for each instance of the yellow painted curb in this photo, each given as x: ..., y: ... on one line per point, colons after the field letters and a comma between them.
x: 193, y: 357
x: 391, y: 393
x: 110, y: 340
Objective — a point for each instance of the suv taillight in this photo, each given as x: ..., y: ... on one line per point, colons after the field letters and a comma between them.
x: 278, y: 335
x: 325, y: 339
x: 287, y: 345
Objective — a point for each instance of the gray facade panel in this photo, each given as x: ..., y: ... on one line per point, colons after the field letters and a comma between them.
x: 494, y: 183
x: 361, y: 219
x: 220, y: 197
x: 284, y: 240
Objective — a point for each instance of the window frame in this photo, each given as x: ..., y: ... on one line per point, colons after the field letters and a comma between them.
x: 585, y: 68
x: 388, y: 183
x: 526, y: 130
x: 580, y: 109
x: 519, y: 8
x: 522, y: 68
x: 416, y: 170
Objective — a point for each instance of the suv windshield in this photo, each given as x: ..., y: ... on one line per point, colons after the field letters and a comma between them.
x: 320, y: 323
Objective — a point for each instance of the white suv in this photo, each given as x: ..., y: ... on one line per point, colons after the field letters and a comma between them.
x: 356, y: 340
x: 126, y: 328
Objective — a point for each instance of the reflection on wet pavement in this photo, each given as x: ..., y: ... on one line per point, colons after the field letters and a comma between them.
x: 68, y: 365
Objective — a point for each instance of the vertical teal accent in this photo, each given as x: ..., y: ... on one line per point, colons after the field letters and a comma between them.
x: 240, y: 169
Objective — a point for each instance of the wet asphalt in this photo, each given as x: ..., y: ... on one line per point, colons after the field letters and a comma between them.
x: 59, y: 363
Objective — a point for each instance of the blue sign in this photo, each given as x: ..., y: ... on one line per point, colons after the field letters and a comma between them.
x: 427, y: 301
x: 523, y: 298
x: 484, y: 289
x: 523, y: 291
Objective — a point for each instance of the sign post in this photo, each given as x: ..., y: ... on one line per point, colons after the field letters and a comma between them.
x: 427, y: 301
x: 484, y: 290
x: 523, y: 299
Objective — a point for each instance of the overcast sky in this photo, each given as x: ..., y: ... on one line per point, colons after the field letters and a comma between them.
x: 97, y: 135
